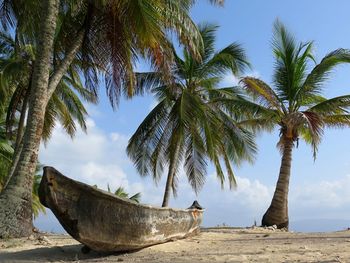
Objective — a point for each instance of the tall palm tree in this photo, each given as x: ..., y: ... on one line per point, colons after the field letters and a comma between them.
x: 108, y: 36
x: 294, y: 104
x: 191, y: 124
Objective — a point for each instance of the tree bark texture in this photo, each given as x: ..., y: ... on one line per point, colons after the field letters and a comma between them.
x: 277, y: 213
x: 19, y: 136
x: 170, y: 178
x: 16, y: 198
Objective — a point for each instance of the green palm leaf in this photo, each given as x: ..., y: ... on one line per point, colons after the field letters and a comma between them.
x: 193, y: 123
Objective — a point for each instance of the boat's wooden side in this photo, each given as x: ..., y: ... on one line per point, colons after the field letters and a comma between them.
x: 104, y: 222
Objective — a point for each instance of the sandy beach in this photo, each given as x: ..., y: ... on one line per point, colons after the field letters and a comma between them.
x: 211, y: 245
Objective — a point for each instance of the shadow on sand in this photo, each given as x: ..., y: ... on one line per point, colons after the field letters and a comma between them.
x: 47, y: 254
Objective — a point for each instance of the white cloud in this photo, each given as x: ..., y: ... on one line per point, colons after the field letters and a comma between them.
x: 230, y: 80
x: 251, y: 194
x: 254, y: 194
x: 94, y: 173
x: 94, y: 158
x: 324, y: 194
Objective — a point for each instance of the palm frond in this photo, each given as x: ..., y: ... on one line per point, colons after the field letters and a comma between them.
x: 145, y: 81
x: 337, y: 120
x: 314, y: 124
x: 136, y: 197
x: 337, y: 105
x: 263, y: 92
x: 195, y: 160
x: 315, y: 81
x: 121, y: 192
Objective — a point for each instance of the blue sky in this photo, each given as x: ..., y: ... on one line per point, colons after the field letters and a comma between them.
x: 319, y: 191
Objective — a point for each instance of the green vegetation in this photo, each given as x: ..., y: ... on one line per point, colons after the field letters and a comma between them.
x: 46, y: 75
x: 296, y: 106
x: 192, y: 123
x: 108, y: 37
x: 122, y: 193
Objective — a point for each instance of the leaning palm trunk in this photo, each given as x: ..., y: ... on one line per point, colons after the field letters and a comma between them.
x: 16, y: 199
x: 168, y: 185
x: 19, y: 138
x: 277, y: 213
x: 21, y: 123
x: 170, y: 179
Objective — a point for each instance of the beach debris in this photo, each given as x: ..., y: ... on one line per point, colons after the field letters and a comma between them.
x: 43, y: 240
x: 272, y: 228
x: 31, y: 238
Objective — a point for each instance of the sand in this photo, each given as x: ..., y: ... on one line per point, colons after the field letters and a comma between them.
x: 211, y: 245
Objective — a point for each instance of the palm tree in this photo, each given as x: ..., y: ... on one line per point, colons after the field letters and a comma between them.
x: 295, y: 105
x: 17, y: 59
x: 191, y: 124
x: 108, y: 36
x: 122, y: 193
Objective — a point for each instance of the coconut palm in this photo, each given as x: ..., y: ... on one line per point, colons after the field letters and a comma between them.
x: 122, y: 193
x: 294, y: 104
x: 108, y: 36
x: 190, y: 124
x: 17, y: 59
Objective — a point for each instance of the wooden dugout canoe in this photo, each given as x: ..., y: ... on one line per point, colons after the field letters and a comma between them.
x: 104, y: 222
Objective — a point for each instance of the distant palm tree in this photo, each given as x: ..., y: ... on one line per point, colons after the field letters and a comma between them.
x: 191, y: 123
x: 122, y: 193
x: 296, y: 106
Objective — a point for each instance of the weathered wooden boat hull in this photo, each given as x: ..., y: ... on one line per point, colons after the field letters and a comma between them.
x: 105, y: 222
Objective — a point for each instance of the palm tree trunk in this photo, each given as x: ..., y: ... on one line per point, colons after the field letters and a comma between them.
x: 20, y: 129
x: 16, y: 198
x: 277, y: 213
x: 19, y: 137
x: 170, y: 178
x: 168, y: 185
